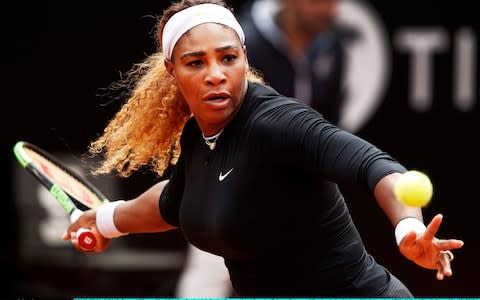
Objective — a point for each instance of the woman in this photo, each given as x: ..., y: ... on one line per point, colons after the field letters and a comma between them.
x: 252, y: 172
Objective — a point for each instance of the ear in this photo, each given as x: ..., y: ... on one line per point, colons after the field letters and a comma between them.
x: 169, y: 66
x: 245, y: 52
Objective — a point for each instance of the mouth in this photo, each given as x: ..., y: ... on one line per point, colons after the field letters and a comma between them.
x: 217, y: 97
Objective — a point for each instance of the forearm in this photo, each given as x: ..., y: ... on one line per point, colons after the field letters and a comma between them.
x: 393, y: 209
x: 142, y: 214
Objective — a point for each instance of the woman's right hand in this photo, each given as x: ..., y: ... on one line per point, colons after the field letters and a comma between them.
x: 86, y: 220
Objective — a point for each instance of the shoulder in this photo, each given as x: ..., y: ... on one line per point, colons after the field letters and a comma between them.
x: 265, y: 97
x: 267, y: 107
x: 268, y: 96
x: 256, y: 90
x: 190, y: 129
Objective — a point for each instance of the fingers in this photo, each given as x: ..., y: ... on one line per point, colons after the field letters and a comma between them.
x: 70, y: 233
x: 445, y: 257
x: 449, y: 244
x: 433, y: 227
x: 443, y: 264
x: 448, y: 254
x: 84, y: 220
x: 72, y: 236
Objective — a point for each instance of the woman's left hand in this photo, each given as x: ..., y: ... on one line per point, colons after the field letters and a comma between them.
x: 429, y: 252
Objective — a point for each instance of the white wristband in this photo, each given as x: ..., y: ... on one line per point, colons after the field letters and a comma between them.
x: 105, y: 220
x: 407, y: 225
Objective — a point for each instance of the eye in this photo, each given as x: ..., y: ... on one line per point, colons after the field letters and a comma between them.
x: 195, y: 63
x: 229, y: 57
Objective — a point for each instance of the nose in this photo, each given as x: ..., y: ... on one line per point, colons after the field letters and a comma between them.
x: 215, y: 75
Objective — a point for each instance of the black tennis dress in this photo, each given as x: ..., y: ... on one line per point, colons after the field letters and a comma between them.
x: 265, y: 200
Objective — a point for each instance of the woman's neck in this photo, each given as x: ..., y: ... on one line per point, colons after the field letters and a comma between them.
x: 211, y: 129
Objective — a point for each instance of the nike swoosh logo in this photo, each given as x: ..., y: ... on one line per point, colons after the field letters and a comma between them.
x: 221, y: 176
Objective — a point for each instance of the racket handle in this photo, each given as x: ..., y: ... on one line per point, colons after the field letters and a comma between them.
x: 86, y: 238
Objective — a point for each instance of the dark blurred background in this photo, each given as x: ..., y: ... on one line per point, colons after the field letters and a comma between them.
x: 59, y: 56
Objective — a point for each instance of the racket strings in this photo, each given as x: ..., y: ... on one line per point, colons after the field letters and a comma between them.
x: 65, y: 179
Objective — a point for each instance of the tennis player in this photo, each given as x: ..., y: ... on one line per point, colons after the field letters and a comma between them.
x: 253, y: 173
x: 299, y: 48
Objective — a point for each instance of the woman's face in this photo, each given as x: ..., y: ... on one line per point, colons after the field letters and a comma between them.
x: 209, y: 67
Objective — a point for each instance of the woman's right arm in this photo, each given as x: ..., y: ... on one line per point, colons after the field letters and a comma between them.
x: 139, y: 215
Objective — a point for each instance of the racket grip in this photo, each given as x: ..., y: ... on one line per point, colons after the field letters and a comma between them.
x: 86, y: 238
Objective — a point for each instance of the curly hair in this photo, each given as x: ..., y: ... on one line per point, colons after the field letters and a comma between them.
x: 146, y: 130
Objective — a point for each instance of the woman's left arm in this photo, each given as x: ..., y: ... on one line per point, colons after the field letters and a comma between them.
x: 416, y: 242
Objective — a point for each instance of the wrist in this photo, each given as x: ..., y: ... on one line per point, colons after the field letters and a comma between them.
x: 407, y: 225
x: 105, y: 220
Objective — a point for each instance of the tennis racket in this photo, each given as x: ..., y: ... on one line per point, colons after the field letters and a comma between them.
x: 71, y: 191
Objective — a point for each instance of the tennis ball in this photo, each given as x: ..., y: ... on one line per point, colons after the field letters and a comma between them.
x: 414, y: 188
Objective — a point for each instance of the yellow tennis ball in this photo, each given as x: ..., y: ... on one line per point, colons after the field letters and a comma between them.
x: 414, y: 188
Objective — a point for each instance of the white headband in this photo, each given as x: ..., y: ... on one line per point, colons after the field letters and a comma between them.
x: 188, y: 18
